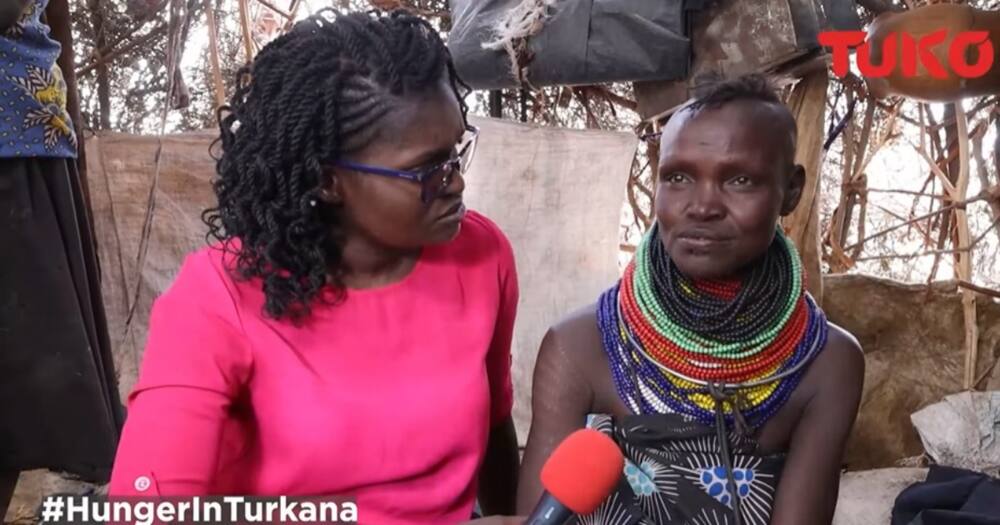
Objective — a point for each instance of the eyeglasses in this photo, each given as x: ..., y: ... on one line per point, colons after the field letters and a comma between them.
x: 432, y: 179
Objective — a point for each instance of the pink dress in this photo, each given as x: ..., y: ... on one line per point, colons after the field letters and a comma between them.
x: 387, y: 397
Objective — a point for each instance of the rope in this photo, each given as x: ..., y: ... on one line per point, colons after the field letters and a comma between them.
x: 178, y: 14
x: 718, y: 395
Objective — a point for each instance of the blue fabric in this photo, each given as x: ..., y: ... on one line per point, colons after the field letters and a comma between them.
x: 33, y: 117
x: 949, y: 496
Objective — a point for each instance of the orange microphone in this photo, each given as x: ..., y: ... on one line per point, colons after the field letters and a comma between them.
x: 578, y: 476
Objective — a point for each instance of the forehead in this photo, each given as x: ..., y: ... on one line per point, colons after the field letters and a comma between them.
x: 417, y: 126
x: 746, y: 132
x: 425, y: 117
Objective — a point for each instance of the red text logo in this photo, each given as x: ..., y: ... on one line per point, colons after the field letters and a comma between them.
x: 911, y: 51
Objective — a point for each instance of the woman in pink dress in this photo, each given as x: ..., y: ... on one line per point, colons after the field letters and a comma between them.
x: 348, y: 332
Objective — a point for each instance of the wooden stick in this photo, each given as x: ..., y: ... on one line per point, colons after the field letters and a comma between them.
x: 949, y: 188
x: 863, y: 156
x: 955, y: 251
x: 213, y: 53
x: 977, y: 198
x: 964, y: 267
x: 905, y: 192
x: 841, y: 221
x: 245, y: 25
x: 294, y: 10
x: 982, y: 172
x: 275, y: 8
x: 985, y: 374
x: 986, y: 102
x: 923, y: 127
x: 976, y: 288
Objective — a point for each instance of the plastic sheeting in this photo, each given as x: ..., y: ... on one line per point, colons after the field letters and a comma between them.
x: 867, y: 497
x: 963, y: 431
x: 583, y: 42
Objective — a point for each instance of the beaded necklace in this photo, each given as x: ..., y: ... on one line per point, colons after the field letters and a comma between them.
x: 702, y: 347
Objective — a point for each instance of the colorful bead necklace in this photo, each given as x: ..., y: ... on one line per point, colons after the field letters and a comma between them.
x: 680, y: 346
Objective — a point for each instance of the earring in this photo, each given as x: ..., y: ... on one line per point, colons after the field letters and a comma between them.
x: 312, y: 203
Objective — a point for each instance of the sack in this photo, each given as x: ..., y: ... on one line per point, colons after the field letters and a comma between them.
x: 569, y: 42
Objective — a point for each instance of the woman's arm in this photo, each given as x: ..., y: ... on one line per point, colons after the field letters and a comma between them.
x: 561, y: 399
x: 195, y: 364
x: 810, y: 480
x: 498, y: 477
x: 171, y: 442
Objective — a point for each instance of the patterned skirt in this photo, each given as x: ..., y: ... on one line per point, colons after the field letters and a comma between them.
x: 675, y: 474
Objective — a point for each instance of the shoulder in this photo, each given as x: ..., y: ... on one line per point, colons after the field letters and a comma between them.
x: 578, y: 326
x: 480, y: 238
x: 844, y: 350
x: 201, y: 268
x: 196, y: 335
x: 575, y: 342
x: 204, y: 283
x: 480, y: 230
x: 839, y: 370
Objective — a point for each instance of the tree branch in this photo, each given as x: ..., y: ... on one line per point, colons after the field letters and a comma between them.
x: 982, y: 196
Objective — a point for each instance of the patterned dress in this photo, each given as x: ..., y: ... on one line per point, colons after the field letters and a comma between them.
x: 675, y: 474
x: 33, y: 117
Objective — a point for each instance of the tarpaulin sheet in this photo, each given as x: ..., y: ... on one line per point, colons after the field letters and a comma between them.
x: 962, y: 431
x: 557, y: 194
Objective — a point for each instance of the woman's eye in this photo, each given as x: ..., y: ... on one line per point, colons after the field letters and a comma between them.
x: 742, y: 180
x: 674, y: 178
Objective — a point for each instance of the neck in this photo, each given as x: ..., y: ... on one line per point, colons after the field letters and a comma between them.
x: 369, y: 264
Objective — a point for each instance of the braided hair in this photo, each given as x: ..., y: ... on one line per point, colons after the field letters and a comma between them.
x: 312, y: 95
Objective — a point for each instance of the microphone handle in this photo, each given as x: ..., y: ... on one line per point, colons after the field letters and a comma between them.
x: 549, y: 511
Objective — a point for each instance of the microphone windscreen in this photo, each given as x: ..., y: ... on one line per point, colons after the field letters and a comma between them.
x: 583, y: 470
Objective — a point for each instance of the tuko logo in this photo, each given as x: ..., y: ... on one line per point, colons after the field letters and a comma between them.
x: 904, y: 48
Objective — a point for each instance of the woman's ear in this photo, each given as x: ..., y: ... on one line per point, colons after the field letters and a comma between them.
x: 793, y: 191
x: 330, y: 194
